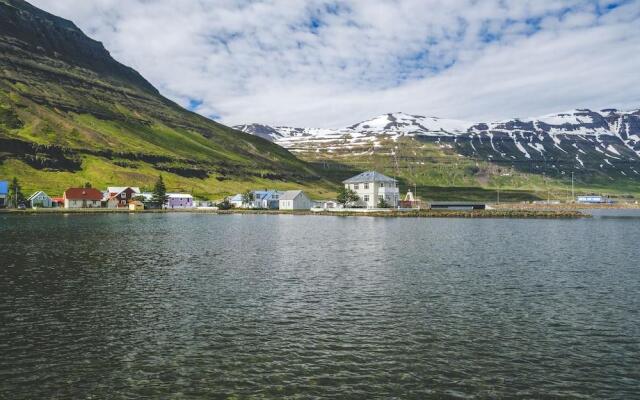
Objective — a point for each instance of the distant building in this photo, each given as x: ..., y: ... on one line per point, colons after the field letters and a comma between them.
x: 295, y: 200
x: 236, y: 201
x: 372, y: 187
x: 39, y: 199
x: 592, y: 199
x: 120, y: 197
x: 179, y: 200
x: 57, y: 202
x: 327, y: 205
x: 269, y: 199
x: 4, y: 193
x: 82, y: 198
x: 136, y: 205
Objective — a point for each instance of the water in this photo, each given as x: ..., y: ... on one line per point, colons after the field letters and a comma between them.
x: 205, y: 306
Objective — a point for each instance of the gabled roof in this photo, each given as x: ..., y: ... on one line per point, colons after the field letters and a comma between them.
x: 237, y: 197
x: 120, y: 189
x: 290, y: 194
x: 370, y: 176
x: 83, y: 194
x: 36, y: 194
x: 4, y: 187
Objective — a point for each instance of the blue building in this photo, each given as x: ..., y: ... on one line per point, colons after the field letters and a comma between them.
x: 4, y: 193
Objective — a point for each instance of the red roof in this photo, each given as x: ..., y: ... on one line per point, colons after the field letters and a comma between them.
x: 83, y: 194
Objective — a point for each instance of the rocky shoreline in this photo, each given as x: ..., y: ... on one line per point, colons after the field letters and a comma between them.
x: 497, y: 213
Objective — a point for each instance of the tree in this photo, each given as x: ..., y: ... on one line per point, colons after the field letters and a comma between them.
x: 159, y: 197
x: 87, y: 185
x: 224, y: 205
x: 15, y: 193
x: 247, y: 197
x: 383, y: 203
x: 347, y: 196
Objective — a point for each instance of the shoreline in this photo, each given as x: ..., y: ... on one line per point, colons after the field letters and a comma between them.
x: 495, y: 213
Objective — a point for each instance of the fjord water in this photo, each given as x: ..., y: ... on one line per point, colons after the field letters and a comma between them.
x: 205, y: 306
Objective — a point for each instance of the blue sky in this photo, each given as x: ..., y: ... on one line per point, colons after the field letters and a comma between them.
x: 333, y: 63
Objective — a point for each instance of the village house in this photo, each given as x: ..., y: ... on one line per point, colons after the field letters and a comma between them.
x: 269, y: 199
x: 4, y: 193
x: 236, y: 201
x: 39, y: 200
x: 82, y: 198
x: 179, y: 200
x: 295, y: 200
x: 373, y: 187
x: 119, y: 197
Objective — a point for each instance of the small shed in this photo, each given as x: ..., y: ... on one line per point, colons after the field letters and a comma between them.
x: 136, y: 205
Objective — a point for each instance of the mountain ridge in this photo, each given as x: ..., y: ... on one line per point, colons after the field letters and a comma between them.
x: 606, y: 138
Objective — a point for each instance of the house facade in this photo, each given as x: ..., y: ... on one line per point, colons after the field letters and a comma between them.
x: 82, y: 198
x: 179, y: 200
x: 269, y: 199
x: 372, y: 187
x: 119, y: 197
x: 4, y: 193
x: 39, y: 200
x: 295, y: 200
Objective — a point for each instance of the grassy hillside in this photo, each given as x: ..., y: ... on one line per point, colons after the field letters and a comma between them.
x: 69, y: 113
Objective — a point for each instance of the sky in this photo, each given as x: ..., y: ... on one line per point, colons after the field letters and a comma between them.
x: 330, y: 64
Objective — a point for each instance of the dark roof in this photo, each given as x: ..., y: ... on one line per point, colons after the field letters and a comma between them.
x: 369, y: 176
x: 83, y: 194
x: 290, y: 194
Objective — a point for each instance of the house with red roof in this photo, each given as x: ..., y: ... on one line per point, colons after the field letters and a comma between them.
x: 82, y: 198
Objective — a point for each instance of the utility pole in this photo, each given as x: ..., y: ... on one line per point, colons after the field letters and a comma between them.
x: 573, y: 193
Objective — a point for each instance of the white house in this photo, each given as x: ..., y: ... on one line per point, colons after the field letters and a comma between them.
x: 39, y: 199
x: 372, y: 187
x: 295, y: 200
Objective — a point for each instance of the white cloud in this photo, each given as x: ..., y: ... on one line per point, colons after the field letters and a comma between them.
x: 333, y: 63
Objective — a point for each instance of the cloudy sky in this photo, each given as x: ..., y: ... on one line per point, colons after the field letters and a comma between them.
x: 333, y: 63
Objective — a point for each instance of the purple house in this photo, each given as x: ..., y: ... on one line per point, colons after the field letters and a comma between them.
x: 179, y: 200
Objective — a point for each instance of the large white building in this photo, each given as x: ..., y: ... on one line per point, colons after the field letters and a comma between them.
x: 372, y: 187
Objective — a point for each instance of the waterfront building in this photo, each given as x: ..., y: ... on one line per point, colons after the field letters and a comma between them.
x: 236, y: 201
x: 295, y: 200
x: 136, y: 205
x: 372, y: 187
x: 39, y: 199
x: 269, y: 199
x: 82, y: 198
x: 4, y: 193
x: 119, y: 197
x: 179, y: 200
x: 593, y: 199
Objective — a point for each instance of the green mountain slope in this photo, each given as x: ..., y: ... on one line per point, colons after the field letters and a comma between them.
x: 70, y: 113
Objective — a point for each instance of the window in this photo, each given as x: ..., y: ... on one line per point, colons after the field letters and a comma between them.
x: 123, y: 195
x: 366, y: 186
x: 381, y: 184
x: 356, y: 186
x: 366, y: 198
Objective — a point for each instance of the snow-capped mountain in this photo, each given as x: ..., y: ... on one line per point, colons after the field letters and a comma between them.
x: 578, y: 139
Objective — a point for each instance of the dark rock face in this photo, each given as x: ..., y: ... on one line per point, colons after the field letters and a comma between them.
x: 33, y: 31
